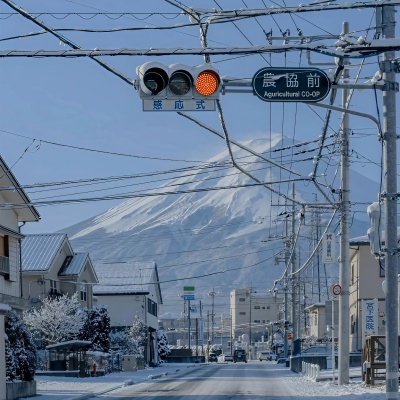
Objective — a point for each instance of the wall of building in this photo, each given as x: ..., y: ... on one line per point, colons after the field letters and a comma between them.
x: 246, y: 308
x: 11, y: 286
x: 123, y: 308
x: 365, y: 284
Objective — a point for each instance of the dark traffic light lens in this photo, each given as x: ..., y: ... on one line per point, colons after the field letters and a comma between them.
x: 155, y: 81
x: 180, y: 83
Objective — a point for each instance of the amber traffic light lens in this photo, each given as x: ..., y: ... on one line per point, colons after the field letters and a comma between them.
x: 207, y: 83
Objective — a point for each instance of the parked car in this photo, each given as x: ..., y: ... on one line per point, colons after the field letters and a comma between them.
x: 239, y: 355
x: 228, y: 357
x: 212, y: 357
x: 267, y: 356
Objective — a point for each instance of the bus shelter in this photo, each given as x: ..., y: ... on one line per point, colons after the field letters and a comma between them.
x: 69, y: 356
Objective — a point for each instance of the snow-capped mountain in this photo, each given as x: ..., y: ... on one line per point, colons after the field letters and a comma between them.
x: 226, y: 238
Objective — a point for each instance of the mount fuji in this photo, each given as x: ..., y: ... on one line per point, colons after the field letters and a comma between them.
x: 233, y: 237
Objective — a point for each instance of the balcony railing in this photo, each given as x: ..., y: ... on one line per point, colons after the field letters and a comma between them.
x: 5, y: 266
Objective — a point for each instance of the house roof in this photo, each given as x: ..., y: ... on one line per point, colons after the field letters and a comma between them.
x: 25, y: 211
x: 39, y: 251
x: 73, y: 265
x: 125, y: 278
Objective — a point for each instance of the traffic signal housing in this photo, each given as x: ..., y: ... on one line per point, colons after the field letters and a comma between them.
x: 177, y: 81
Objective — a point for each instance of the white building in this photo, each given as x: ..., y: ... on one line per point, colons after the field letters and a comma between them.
x: 10, y: 245
x: 252, y: 313
x: 130, y: 289
x: 50, y: 267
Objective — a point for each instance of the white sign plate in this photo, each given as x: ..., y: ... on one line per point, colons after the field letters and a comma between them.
x: 370, y: 322
x: 178, y: 105
x: 328, y: 248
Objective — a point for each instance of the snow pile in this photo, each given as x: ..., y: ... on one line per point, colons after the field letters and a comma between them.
x: 305, y: 387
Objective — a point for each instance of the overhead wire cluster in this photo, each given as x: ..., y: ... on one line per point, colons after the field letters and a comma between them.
x: 203, y: 20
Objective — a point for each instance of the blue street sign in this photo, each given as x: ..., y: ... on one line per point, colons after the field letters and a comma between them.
x: 291, y: 84
x: 188, y: 297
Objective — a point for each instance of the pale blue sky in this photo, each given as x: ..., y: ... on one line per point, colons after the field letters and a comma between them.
x: 76, y: 102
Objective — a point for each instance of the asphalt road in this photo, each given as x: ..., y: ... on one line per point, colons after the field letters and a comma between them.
x: 217, y: 381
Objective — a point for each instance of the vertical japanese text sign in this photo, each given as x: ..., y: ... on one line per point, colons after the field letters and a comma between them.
x: 328, y: 248
x: 369, y: 319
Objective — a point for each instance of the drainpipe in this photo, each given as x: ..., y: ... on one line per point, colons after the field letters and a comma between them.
x: 20, y: 259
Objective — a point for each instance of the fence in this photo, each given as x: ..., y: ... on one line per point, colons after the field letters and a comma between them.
x: 310, y: 370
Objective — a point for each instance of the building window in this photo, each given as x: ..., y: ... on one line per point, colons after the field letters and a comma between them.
x: 352, y: 274
x: 242, y: 313
x: 263, y: 308
x: 268, y: 307
x: 241, y: 299
x: 263, y: 321
x: 83, y: 290
x: 53, y: 286
x: 151, y: 307
x: 352, y: 324
x: 256, y: 307
x: 381, y: 268
x: 257, y: 321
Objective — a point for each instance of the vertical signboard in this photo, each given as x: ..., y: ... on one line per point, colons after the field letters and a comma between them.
x: 201, y: 331
x: 369, y: 319
x: 328, y: 248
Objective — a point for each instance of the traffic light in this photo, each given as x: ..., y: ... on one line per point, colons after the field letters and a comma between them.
x: 184, y: 87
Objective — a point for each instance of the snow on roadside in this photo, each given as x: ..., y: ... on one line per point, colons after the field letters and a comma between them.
x: 306, y: 387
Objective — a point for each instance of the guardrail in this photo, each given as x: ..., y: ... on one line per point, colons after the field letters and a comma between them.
x: 310, y: 370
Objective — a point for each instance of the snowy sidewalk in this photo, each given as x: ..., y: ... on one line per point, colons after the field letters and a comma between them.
x: 65, y: 388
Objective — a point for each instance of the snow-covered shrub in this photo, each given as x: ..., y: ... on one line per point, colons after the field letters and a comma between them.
x: 20, y: 349
x: 162, y: 345
x: 57, y: 320
x: 122, y: 343
x: 96, y: 329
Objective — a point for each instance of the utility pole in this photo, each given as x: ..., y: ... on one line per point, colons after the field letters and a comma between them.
x: 212, y: 316
x: 344, y: 263
x: 250, y: 322
x: 189, y: 323
x: 208, y: 333
x: 287, y: 255
x: 294, y: 280
x: 230, y: 336
x: 202, y: 328
x: 390, y: 206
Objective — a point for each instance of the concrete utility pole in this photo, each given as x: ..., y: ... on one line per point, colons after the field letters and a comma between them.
x: 344, y: 263
x: 294, y: 279
x: 390, y: 207
x: 287, y: 255
x: 189, y: 323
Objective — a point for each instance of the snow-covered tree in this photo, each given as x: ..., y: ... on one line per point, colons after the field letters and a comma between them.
x: 57, y: 320
x: 20, y: 349
x: 97, y: 329
x: 162, y: 345
x: 138, y: 333
x: 121, y: 342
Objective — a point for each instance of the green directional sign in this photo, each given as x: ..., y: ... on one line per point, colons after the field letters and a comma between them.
x: 291, y: 84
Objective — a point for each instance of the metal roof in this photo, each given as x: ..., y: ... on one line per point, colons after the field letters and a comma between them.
x: 124, y: 278
x: 39, y: 251
x: 74, y: 264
